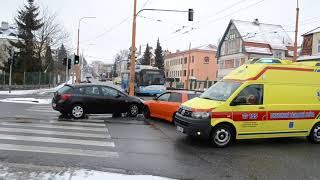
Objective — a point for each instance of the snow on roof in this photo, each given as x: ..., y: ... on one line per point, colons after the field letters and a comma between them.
x: 258, y: 50
x: 9, y: 32
x: 316, y: 30
x: 207, y: 47
x: 304, y: 58
x: 257, y: 32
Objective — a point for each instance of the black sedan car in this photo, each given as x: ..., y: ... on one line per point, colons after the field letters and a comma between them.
x: 78, y: 100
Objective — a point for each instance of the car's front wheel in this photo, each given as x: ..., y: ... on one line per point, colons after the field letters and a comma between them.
x: 222, y: 135
x: 133, y: 110
x: 314, y: 136
x: 78, y: 111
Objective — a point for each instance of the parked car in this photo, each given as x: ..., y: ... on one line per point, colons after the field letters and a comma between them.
x: 78, y: 100
x: 167, y: 104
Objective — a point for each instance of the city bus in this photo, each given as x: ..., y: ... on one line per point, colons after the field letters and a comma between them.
x: 148, y: 80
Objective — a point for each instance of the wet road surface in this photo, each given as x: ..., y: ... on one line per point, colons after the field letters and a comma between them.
x: 33, y: 134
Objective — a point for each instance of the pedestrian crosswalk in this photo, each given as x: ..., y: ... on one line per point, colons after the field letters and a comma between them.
x: 85, y: 139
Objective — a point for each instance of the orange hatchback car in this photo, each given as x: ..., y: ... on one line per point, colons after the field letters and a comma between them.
x: 167, y: 104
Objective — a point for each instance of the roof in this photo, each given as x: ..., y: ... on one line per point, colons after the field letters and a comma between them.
x: 10, y: 33
x: 206, y: 47
x: 316, y: 30
x: 255, y: 71
x: 306, y: 58
x: 271, y: 34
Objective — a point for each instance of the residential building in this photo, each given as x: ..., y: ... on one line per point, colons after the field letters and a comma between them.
x: 201, y: 60
x: 244, y: 40
x: 311, y: 45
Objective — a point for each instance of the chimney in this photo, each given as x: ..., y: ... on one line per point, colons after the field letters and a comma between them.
x: 4, y: 25
x: 256, y: 21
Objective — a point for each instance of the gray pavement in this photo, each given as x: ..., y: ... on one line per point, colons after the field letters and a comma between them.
x: 34, y: 135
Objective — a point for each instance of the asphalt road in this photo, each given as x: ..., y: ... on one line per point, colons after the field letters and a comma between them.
x: 34, y: 135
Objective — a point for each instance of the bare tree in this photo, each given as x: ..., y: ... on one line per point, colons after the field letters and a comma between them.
x: 50, y: 34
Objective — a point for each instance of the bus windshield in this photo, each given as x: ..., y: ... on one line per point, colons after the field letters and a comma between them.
x: 151, y: 77
x: 221, y: 91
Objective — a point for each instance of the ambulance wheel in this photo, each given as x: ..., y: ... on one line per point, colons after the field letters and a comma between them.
x: 314, y: 136
x: 222, y: 135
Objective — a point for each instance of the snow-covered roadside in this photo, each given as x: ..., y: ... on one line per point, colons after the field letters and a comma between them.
x: 21, y: 171
x: 26, y: 100
x: 35, y: 91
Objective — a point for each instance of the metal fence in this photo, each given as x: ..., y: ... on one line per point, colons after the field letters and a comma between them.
x: 31, y: 80
x: 193, y: 85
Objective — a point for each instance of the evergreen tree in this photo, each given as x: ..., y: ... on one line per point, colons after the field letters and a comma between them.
x: 159, y: 59
x: 62, y: 53
x: 28, y: 22
x: 146, y: 56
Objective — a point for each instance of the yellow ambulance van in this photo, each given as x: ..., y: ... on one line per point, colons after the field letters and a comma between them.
x: 256, y: 101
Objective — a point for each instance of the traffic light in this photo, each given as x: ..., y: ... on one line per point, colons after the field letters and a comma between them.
x: 65, y: 62
x: 190, y: 14
x: 76, y: 59
x: 69, y: 63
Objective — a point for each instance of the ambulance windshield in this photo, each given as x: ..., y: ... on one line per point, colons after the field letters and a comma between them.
x: 220, y: 91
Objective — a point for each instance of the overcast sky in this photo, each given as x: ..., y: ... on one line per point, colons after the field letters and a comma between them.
x: 103, y: 37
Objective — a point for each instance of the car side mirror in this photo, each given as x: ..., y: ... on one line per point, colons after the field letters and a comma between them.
x: 239, y: 101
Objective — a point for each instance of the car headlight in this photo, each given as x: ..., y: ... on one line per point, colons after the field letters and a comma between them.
x: 200, y: 115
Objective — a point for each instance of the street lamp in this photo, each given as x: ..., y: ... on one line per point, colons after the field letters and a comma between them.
x: 78, y: 41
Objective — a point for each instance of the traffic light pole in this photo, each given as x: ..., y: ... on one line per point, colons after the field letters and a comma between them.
x: 10, y: 73
x: 133, y: 46
x: 72, y: 67
x: 67, y: 70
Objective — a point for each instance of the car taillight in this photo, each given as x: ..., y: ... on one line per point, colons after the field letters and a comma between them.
x: 66, y: 96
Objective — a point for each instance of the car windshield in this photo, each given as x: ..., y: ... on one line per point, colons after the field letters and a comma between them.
x: 220, y: 91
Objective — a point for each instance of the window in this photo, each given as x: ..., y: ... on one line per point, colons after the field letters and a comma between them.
x: 65, y: 90
x: 221, y: 91
x: 90, y: 90
x: 250, y: 95
x: 206, y: 60
x: 221, y: 64
x: 318, y: 46
x: 164, y: 97
x: 237, y: 62
x: 185, y: 60
x: 106, y: 91
x: 184, y: 72
x: 192, y: 59
x: 278, y: 54
x: 175, y: 97
x: 191, y: 96
x: 191, y: 72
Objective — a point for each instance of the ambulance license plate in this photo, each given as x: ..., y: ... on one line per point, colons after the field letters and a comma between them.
x: 180, y: 129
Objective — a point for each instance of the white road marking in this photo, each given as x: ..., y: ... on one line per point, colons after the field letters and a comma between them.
x: 54, y: 122
x: 56, y: 126
x: 56, y: 140
x: 55, y: 150
x: 39, y: 110
x: 46, y: 132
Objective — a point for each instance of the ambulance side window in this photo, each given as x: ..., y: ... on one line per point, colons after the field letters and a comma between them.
x: 250, y: 95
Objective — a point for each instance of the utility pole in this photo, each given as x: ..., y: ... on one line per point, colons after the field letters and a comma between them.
x: 295, y: 55
x: 188, y: 71
x: 72, y: 67
x: 133, y: 49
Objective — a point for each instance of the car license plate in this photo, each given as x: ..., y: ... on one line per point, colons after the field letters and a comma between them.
x: 180, y: 129
x: 54, y: 105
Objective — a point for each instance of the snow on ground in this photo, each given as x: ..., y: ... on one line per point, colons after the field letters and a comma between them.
x: 20, y: 171
x: 35, y: 91
x: 26, y: 100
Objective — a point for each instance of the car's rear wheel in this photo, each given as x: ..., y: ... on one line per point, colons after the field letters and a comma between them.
x: 314, y: 136
x: 222, y: 135
x: 146, y: 112
x: 133, y: 110
x: 78, y: 111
